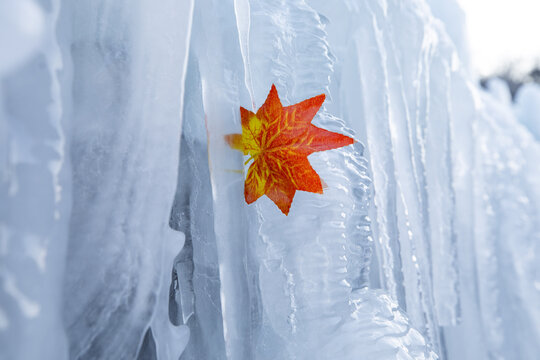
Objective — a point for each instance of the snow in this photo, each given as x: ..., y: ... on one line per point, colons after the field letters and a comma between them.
x: 124, y: 233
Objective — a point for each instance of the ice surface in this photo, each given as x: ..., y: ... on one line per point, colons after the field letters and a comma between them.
x: 22, y: 32
x: 197, y: 296
x: 124, y: 233
x: 313, y: 260
x: 126, y: 122
x: 527, y: 108
x: 34, y: 183
x: 506, y: 231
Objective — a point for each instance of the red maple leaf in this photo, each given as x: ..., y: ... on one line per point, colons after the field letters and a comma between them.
x: 279, y: 140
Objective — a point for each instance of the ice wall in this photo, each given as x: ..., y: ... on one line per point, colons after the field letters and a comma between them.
x: 408, y: 136
x: 395, y: 77
x: 90, y: 121
x: 123, y: 228
x: 438, y: 167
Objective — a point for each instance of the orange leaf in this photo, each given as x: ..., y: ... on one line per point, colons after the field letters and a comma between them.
x: 279, y: 140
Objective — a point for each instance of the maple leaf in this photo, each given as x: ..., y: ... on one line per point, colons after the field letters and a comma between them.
x: 279, y: 140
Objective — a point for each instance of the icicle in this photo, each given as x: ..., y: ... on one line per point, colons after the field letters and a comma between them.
x: 197, y: 294
x: 129, y: 61
x: 34, y: 181
x: 223, y: 91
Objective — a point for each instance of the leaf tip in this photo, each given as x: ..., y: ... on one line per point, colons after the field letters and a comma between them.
x: 273, y: 94
x: 284, y: 204
x: 319, y: 99
x: 285, y: 209
x: 324, y: 186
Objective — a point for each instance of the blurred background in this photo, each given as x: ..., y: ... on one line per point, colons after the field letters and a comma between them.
x: 503, y: 38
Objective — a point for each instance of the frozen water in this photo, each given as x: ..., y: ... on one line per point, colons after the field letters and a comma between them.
x: 197, y: 302
x: 124, y: 233
x: 125, y: 122
x: 35, y: 182
x: 527, y: 108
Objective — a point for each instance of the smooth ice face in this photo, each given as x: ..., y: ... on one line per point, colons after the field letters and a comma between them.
x: 126, y: 122
x: 22, y: 32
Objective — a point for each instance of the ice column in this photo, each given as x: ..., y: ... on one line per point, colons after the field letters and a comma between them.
x: 197, y: 292
x: 223, y: 90
x: 129, y: 60
x: 404, y: 65
x: 312, y: 261
x: 34, y: 181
